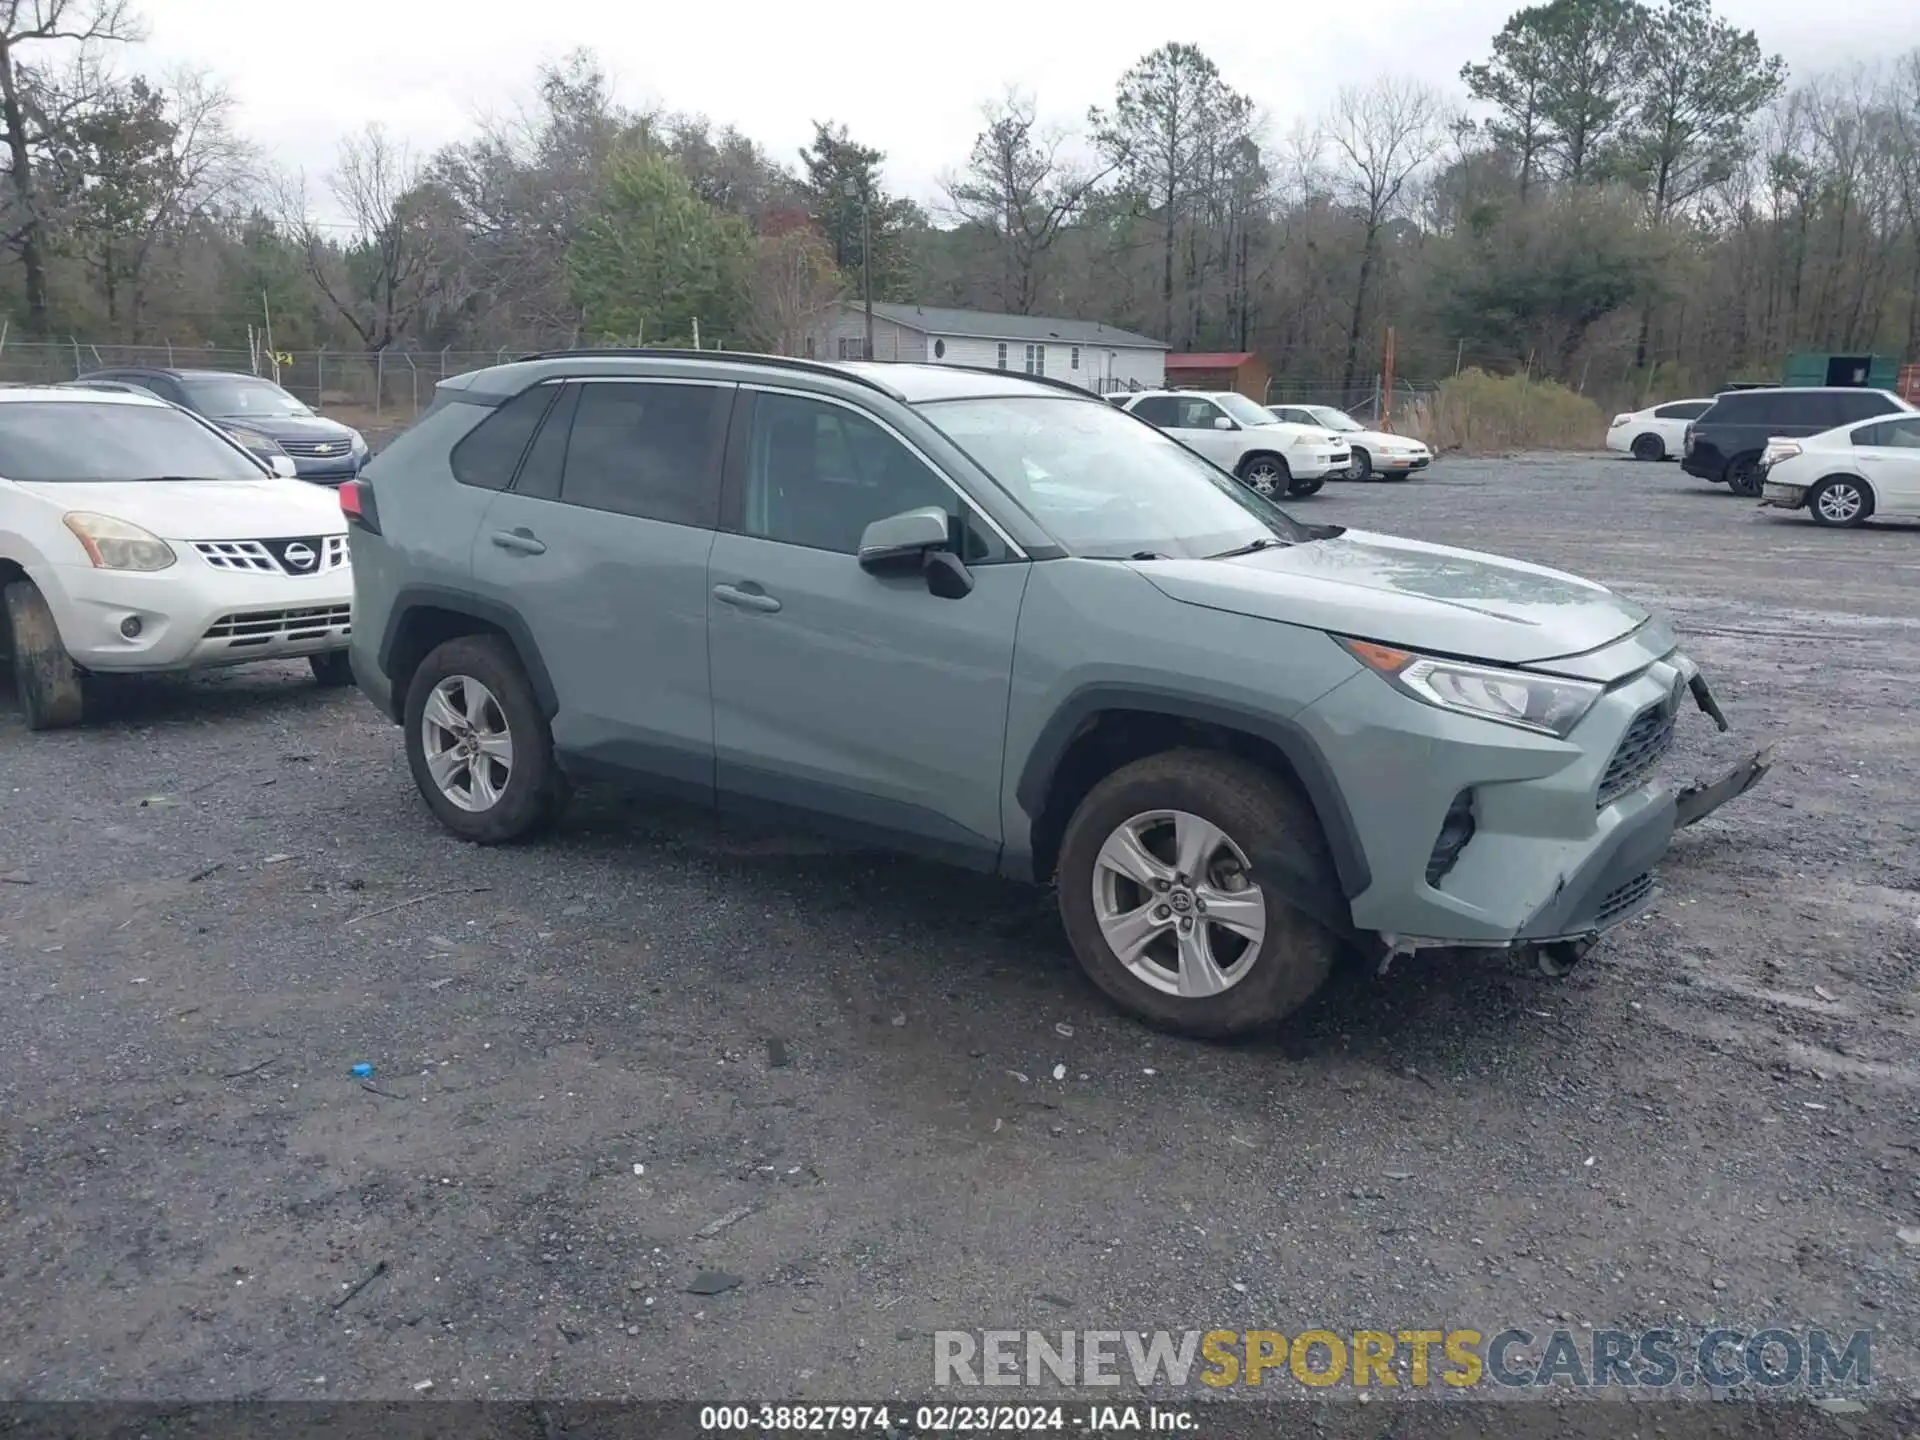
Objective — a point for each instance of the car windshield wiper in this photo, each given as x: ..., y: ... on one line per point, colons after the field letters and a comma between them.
x: 1265, y: 542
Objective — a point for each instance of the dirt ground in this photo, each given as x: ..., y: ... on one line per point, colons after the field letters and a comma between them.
x: 650, y: 1047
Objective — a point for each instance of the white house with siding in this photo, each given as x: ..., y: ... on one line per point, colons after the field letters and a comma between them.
x: 1099, y: 357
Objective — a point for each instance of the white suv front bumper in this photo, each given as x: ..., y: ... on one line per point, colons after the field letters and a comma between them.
x: 1317, y: 462
x: 192, y: 616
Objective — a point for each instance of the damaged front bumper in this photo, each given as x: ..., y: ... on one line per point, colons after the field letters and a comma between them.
x: 1616, y: 882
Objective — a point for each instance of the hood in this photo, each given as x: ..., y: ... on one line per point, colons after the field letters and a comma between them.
x: 1404, y: 592
x: 1382, y: 438
x: 288, y: 427
x: 263, y: 509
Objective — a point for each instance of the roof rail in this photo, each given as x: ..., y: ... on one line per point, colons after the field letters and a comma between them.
x: 1052, y: 380
x: 649, y: 352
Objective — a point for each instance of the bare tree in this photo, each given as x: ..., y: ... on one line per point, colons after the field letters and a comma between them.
x: 1383, y: 136
x: 1018, y: 189
x: 793, y: 283
x: 397, y: 265
x: 29, y: 102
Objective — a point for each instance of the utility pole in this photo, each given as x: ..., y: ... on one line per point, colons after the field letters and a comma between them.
x: 857, y: 189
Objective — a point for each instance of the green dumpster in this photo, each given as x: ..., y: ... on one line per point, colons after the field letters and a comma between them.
x: 1818, y: 367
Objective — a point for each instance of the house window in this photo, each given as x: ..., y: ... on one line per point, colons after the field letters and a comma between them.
x: 1003, y: 355
x: 1074, y: 362
x: 939, y: 349
x: 852, y: 348
x: 1036, y: 359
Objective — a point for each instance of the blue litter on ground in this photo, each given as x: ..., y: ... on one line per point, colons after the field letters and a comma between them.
x: 363, y: 1071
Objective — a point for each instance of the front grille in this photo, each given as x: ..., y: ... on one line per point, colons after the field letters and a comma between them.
x: 318, y: 449
x: 1623, y: 901
x: 270, y: 557
x: 262, y: 627
x: 1455, y: 831
x: 1642, y: 748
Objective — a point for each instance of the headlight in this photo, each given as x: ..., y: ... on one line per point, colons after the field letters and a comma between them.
x: 117, y: 545
x: 359, y: 442
x: 1544, y: 703
x: 253, y: 440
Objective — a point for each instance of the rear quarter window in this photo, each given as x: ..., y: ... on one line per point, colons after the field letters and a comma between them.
x: 489, y: 454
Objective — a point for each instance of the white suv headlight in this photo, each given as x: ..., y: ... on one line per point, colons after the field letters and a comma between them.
x: 118, y: 544
x: 1548, y: 704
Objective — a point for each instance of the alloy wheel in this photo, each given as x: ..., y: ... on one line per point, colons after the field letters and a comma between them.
x: 467, y: 742
x: 1840, y: 502
x: 1263, y: 477
x: 1176, y: 904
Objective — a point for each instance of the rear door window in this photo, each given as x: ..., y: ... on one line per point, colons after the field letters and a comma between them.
x: 1685, y: 410
x: 546, y: 458
x: 1161, y: 410
x: 1862, y: 405
x: 648, y: 448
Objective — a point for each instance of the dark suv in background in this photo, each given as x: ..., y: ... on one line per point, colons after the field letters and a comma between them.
x: 1725, y: 444
x: 252, y: 408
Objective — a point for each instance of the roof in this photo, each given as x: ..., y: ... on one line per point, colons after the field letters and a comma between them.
x: 917, y: 384
x: 986, y: 325
x: 1211, y: 360
x: 79, y: 395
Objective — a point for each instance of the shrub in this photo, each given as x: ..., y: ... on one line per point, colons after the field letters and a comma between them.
x: 1478, y: 412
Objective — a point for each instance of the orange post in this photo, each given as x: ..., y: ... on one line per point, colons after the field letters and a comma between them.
x: 1386, y: 383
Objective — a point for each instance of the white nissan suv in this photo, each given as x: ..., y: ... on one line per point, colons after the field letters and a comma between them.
x: 136, y: 537
x: 1247, y: 440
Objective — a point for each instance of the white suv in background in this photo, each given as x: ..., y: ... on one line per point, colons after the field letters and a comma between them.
x: 136, y: 537
x: 1267, y: 454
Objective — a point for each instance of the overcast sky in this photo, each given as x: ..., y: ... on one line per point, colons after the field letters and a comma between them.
x: 908, y: 78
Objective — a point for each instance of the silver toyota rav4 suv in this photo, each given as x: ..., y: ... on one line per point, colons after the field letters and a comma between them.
x: 994, y: 620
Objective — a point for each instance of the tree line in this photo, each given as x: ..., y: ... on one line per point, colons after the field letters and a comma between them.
x: 1637, y: 198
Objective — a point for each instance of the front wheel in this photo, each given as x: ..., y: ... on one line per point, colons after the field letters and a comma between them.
x: 477, y: 744
x: 1265, y: 475
x: 1743, y: 476
x: 1175, y: 876
x: 1840, y: 502
x: 44, y: 676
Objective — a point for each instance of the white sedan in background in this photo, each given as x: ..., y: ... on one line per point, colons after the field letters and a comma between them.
x: 1657, y: 433
x: 1843, y: 476
x: 1375, y: 452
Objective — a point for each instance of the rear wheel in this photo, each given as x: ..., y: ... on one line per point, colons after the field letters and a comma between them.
x: 1362, y: 464
x: 1265, y: 475
x: 1840, y: 502
x: 1743, y: 476
x: 44, y: 676
x: 1174, y: 878
x: 1649, y: 447
x: 477, y: 744
x: 1300, y: 489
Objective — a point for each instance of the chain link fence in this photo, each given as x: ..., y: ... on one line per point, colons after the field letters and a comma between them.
x: 393, y: 386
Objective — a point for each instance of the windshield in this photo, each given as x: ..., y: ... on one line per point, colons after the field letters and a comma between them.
x: 1244, y: 410
x: 1334, y: 419
x: 48, y: 441
x: 1105, y: 484
x: 236, y: 395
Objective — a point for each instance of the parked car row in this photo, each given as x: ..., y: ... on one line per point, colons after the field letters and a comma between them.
x: 1845, y: 454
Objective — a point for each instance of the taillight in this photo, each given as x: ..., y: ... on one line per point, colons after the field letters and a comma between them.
x: 1618, y: 421
x: 357, y: 504
x: 1686, y: 441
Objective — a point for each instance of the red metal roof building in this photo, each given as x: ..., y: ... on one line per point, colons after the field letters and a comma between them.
x: 1238, y: 370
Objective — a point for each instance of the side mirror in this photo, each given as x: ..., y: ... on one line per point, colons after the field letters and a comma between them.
x: 900, y: 543
x: 1221, y: 422
x: 283, y: 466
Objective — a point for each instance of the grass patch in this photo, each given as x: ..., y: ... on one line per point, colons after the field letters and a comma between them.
x: 1481, y: 413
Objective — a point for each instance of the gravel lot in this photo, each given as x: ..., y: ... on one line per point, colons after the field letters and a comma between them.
x: 835, y: 1067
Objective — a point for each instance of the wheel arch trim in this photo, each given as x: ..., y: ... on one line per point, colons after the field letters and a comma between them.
x: 1291, y: 739
x: 413, y: 599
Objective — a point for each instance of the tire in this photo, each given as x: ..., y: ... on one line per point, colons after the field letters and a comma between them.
x: 1265, y: 474
x: 332, y: 670
x: 1301, y: 489
x: 1263, y: 821
x: 1649, y: 447
x: 44, y: 676
x: 1362, y: 464
x: 1743, y: 476
x: 506, y: 800
x: 1840, y: 502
